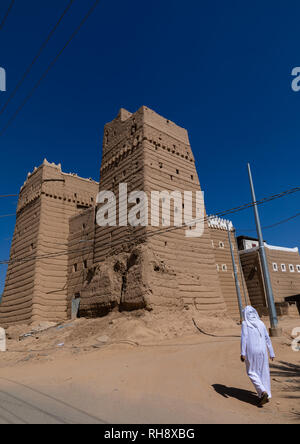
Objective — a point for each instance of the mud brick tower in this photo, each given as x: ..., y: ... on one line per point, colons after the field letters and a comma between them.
x: 136, y: 267
x: 36, y: 281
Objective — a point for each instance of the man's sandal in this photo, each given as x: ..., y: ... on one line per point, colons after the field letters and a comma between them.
x: 264, y: 399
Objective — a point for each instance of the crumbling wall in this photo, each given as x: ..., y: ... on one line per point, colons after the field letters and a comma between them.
x: 118, y: 283
x: 151, y: 153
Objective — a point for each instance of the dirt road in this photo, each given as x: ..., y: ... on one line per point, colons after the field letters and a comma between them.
x: 198, y: 380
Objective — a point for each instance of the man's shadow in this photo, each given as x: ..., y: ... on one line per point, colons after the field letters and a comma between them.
x: 240, y: 394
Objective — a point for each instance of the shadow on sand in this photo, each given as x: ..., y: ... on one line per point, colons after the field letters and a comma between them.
x: 240, y: 394
x: 290, y: 374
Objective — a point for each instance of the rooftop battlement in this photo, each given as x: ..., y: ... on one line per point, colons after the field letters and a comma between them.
x: 220, y: 224
x: 57, y: 168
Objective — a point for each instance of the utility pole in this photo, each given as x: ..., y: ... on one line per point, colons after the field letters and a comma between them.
x: 235, y: 270
x: 243, y: 279
x: 274, y: 330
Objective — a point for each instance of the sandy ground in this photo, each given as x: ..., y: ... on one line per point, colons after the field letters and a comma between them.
x: 142, y: 368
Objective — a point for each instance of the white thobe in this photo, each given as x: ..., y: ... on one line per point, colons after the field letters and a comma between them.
x: 255, y: 345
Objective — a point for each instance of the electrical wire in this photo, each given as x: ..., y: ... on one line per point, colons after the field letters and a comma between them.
x: 6, y: 14
x: 9, y: 195
x: 160, y: 231
x: 274, y: 225
x: 35, y: 59
x: 232, y: 210
x: 50, y: 66
x: 6, y: 215
x: 43, y: 256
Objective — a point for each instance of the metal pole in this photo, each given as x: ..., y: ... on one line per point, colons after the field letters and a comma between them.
x: 243, y: 282
x: 264, y: 262
x: 241, y: 271
x: 235, y: 270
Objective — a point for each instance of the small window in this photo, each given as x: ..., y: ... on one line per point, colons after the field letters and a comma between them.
x: 224, y: 267
x: 298, y: 268
x: 75, y: 268
x: 221, y: 245
x: 275, y: 267
x: 85, y: 264
x: 283, y: 268
x: 177, y: 171
x: 192, y: 177
x: 292, y: 268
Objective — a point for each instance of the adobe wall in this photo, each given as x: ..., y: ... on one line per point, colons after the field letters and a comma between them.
x: 186, y: 273
x: 122, y: 162
x: 254, y: 280
x: 36, y: 282
x: 284, y: 283
x: 145, y: 150
x: 116, y: 279
x: 221, y: 247
x: 17, y: 299
x: 65, y: 254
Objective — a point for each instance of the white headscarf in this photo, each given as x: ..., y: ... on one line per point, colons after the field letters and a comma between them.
x: 252, y: 319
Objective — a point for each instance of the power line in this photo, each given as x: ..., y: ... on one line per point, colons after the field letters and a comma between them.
x: 6, y: 14
x: 9, y: 195
x: 162, y: 231
x: 44, y: 75
x: 35, y: 59
x: 43, y: 256
x: 233, y: 210
x: 276, y: 224
x: 6, y: 215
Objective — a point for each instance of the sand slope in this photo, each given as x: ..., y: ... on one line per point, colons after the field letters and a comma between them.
x: 142, y: 368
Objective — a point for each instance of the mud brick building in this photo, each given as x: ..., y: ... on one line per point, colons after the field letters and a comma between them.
x: 37, y: 273
x: 284, y: 267
x: 60, y: 255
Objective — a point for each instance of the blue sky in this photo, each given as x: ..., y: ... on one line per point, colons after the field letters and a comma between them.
x: 220, y: 69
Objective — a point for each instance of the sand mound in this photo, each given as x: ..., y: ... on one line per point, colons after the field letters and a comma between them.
x: 141, y: 327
